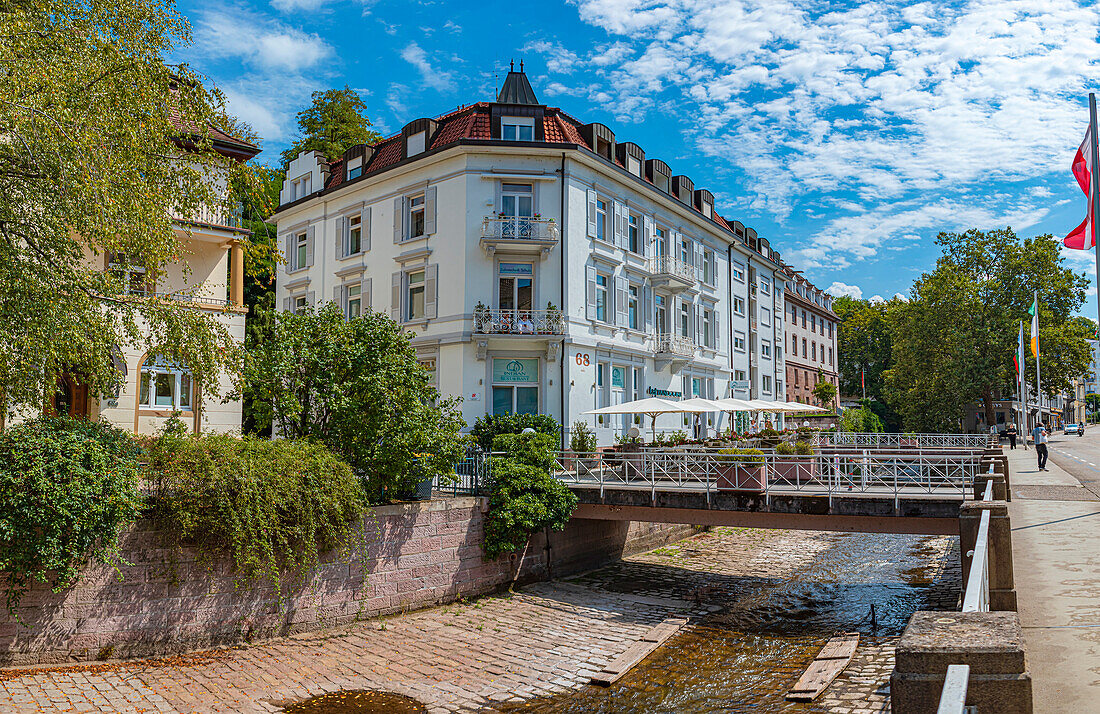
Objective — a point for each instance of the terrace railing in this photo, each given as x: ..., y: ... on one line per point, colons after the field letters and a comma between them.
x: 520, y: 322
x: 915, y: 441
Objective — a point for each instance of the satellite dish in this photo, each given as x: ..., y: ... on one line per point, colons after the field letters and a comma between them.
x: 633, y: 432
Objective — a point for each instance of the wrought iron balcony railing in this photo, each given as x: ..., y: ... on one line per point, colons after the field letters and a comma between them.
x: 519, y: 322
x: 673, y: 344
x: 519, y: 228
x: 674, y: 267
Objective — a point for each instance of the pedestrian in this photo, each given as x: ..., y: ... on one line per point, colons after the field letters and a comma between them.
x: 1039, y: 435
x: 1010, y: 432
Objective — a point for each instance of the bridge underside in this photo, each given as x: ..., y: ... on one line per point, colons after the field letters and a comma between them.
x: 922, y: 515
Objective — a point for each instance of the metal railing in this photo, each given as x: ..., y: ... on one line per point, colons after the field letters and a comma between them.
x: 842, y: 438
x: 520, y: 322
x: 669, y: 343
x: 955, y: 685
x: 976, y: 596
x: 711, y: 471
x: 667, y: 265
x: 519, y: 228
x: 471, y: 475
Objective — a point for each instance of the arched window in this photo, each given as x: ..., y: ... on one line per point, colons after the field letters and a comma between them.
x: 165, y: 384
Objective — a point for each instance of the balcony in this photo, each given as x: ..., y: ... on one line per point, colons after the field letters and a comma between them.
x: 519, y: 234
x: 671, y: 273
x: 519, y: 322
x: 672, y: 349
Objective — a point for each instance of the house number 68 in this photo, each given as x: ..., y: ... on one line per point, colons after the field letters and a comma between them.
x: 582, y: 359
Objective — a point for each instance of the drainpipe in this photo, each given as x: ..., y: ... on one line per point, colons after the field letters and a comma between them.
x: 563, y: 232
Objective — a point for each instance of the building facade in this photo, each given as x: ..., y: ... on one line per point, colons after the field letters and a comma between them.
x: 810, y: 335
x: 542, y: 265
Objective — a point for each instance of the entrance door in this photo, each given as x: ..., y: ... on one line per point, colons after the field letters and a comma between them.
x: 517, y: 206
x: 618, y: 395
x: 71, y: 397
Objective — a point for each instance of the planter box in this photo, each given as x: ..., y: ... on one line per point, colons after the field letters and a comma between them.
x: 741, y: 478
x: 795, y: 469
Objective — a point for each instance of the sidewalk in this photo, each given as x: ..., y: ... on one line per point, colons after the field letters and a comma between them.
x: 1056, y: 564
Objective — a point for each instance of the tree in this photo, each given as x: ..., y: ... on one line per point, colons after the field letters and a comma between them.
x: 334, y: 122
x: 824, y: 391
x: 953, y: 341
x: 863, y: 345
x: 356, y: 386
x: 94, y: 123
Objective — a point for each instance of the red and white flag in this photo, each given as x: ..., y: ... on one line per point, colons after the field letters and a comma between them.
x: 1081, y: 237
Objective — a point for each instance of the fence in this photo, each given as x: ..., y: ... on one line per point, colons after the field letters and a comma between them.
x: 711, y: 471
x: 843, y: 438
x: 471, y: 475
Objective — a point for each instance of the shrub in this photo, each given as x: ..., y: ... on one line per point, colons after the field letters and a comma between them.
x: 769, y: 438
x: 273, y: 506
x: 582, y: 440
x: 742, y: 457
x: 785, y: 448
x: 67, y: 489
x: 487, y: 428
x: 860, y: 420
x: 530, y: 449
x: 803, y: 448
x: 523, y: 500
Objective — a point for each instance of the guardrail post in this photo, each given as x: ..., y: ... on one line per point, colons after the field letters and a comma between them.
x: 1002, y: 589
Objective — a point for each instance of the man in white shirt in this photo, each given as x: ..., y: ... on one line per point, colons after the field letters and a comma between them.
x: 1039, y: 435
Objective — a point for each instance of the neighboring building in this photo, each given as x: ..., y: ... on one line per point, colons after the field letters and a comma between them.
x: 208, y: 278
x: 542, y: 264
x: 810, y: 336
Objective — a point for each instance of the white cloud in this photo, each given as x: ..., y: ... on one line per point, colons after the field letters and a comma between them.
x: 295, y: 5
x: 264, y: 44
x: 901, y: 296
x: 838, y: 289
x: 432, y: 76
x: 876, y: 299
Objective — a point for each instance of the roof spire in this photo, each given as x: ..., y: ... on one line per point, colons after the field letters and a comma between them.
x: 516, y: 89
x: 521, y: 65
x: 512, y: 65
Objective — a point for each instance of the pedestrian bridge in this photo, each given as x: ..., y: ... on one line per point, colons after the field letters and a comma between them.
x: 895, y: 487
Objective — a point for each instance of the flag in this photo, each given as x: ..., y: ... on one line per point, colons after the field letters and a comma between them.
x: 1035, y: 326
x: 1081, y: 237
x: 863, y: 378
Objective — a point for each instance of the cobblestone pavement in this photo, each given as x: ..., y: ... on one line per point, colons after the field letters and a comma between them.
x: 545, y: 639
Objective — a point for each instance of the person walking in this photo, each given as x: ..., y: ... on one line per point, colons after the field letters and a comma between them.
x: 1010, y: 432
x: 1039, y: 436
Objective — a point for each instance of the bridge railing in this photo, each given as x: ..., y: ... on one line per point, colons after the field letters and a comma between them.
x: 914, y: 441
x: 818, y: 474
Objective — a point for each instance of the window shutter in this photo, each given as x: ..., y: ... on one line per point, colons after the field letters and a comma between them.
x: 286, y: 304
x: 647, y: 309
x: 341, y: 237
x: 364, y: 229
x: 699, y: 257
x: 398, y: 219
x: 338, y: 296
x: 590, y: 277
x: 715, y: 327
x: 697, y: 311
x: 311, y: 233
x: 591, y: 213
x: 622, y: 291
x: 311, y: 298
x: 429, y: 210
x: 647, y: 234
x: 620, y: 227
x: 431, y: 288
x: 290, y: 253
x: 395, y: 298
x: 365, y: 292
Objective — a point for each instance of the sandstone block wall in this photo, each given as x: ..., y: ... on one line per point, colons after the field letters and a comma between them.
x: 418, y: 554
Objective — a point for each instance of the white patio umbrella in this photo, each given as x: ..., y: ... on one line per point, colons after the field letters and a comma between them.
x: 797, y: 407
x: 650, y: 406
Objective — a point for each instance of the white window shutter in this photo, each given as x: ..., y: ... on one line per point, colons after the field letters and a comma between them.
x: 590, y: 284
x: 395, y: 298
x: 364, y: 229
x: 622, y: 290
x: 647, y: 234
x: 290, y: 253
x: 647, y: 309
x: 431, y: 289
x: 620, y: 228
x: 715, y: 327
x: 287, y: 302
x: 697, y: 310
x: 338, y: 296
x: 398, y: 219
x: 365, y: 292
x: 699, y: 262
x: 429, y: 210
x: 311, y: 298
x: 341, y: 237
x: 591, y: 213
x: 311, y: 234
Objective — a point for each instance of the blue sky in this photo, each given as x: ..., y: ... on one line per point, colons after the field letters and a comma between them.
x: 849, y: 134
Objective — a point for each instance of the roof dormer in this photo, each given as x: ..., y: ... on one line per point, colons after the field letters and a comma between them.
x: 659, y: 174
x: 683, y: 188
x: 632, y: 158
x: 307, y: 174
x: 601, y: 139
x: 355, y: 161
x: 416, y: 136
x: 704, y: 202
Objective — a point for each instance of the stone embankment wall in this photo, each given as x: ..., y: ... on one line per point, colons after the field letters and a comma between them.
x: 167, y: 600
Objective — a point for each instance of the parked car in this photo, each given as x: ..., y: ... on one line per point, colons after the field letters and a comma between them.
x: 1073, y: 429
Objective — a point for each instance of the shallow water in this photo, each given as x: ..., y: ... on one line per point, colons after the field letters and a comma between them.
x: 745, y: 657
x: 357, y: 702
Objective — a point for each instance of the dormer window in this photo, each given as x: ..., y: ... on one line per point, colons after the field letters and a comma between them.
x: 603, y: 148
x: 517, y: 128
x: 355, y: 168
x: 707, y: 209
x: 301, y: 187
x: 416, y: 143
x: 661, y: 182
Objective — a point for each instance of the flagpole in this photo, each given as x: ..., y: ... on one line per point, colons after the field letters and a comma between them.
x: 1038, y: 351
x: 1094, y: 194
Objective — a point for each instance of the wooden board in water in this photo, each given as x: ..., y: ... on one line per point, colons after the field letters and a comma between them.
x: 830, y: 662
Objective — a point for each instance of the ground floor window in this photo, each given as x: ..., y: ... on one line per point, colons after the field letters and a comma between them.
x: 165, y: 384
x: 515, y: 386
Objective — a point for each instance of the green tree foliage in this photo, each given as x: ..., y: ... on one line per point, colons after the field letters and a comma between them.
x: 523, y: 500
x: 488, y: 427
x: 335, y: 121
x: 824, y: 391
x: 273, y: 506
x: 356, y: 386
x: 860, y: 420
x: 953, y: 341
x: 93, y: 123
x: 67, y: 489
x: 533, y: 449
x: 863, y: 343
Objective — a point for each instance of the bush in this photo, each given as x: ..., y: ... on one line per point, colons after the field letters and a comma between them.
x: 785, y: 448
x: 271, y: 505
x: 530, y: 449
x: 487, y: 428
x: 769, y: 438
x: 67, y: 489
x: 742, y: 457
x: 803, y: 448
x: 523, y: 500
x: 582, y: 440
x: 860, y: 420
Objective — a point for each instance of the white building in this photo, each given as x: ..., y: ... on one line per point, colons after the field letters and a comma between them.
x: 541, y: 264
